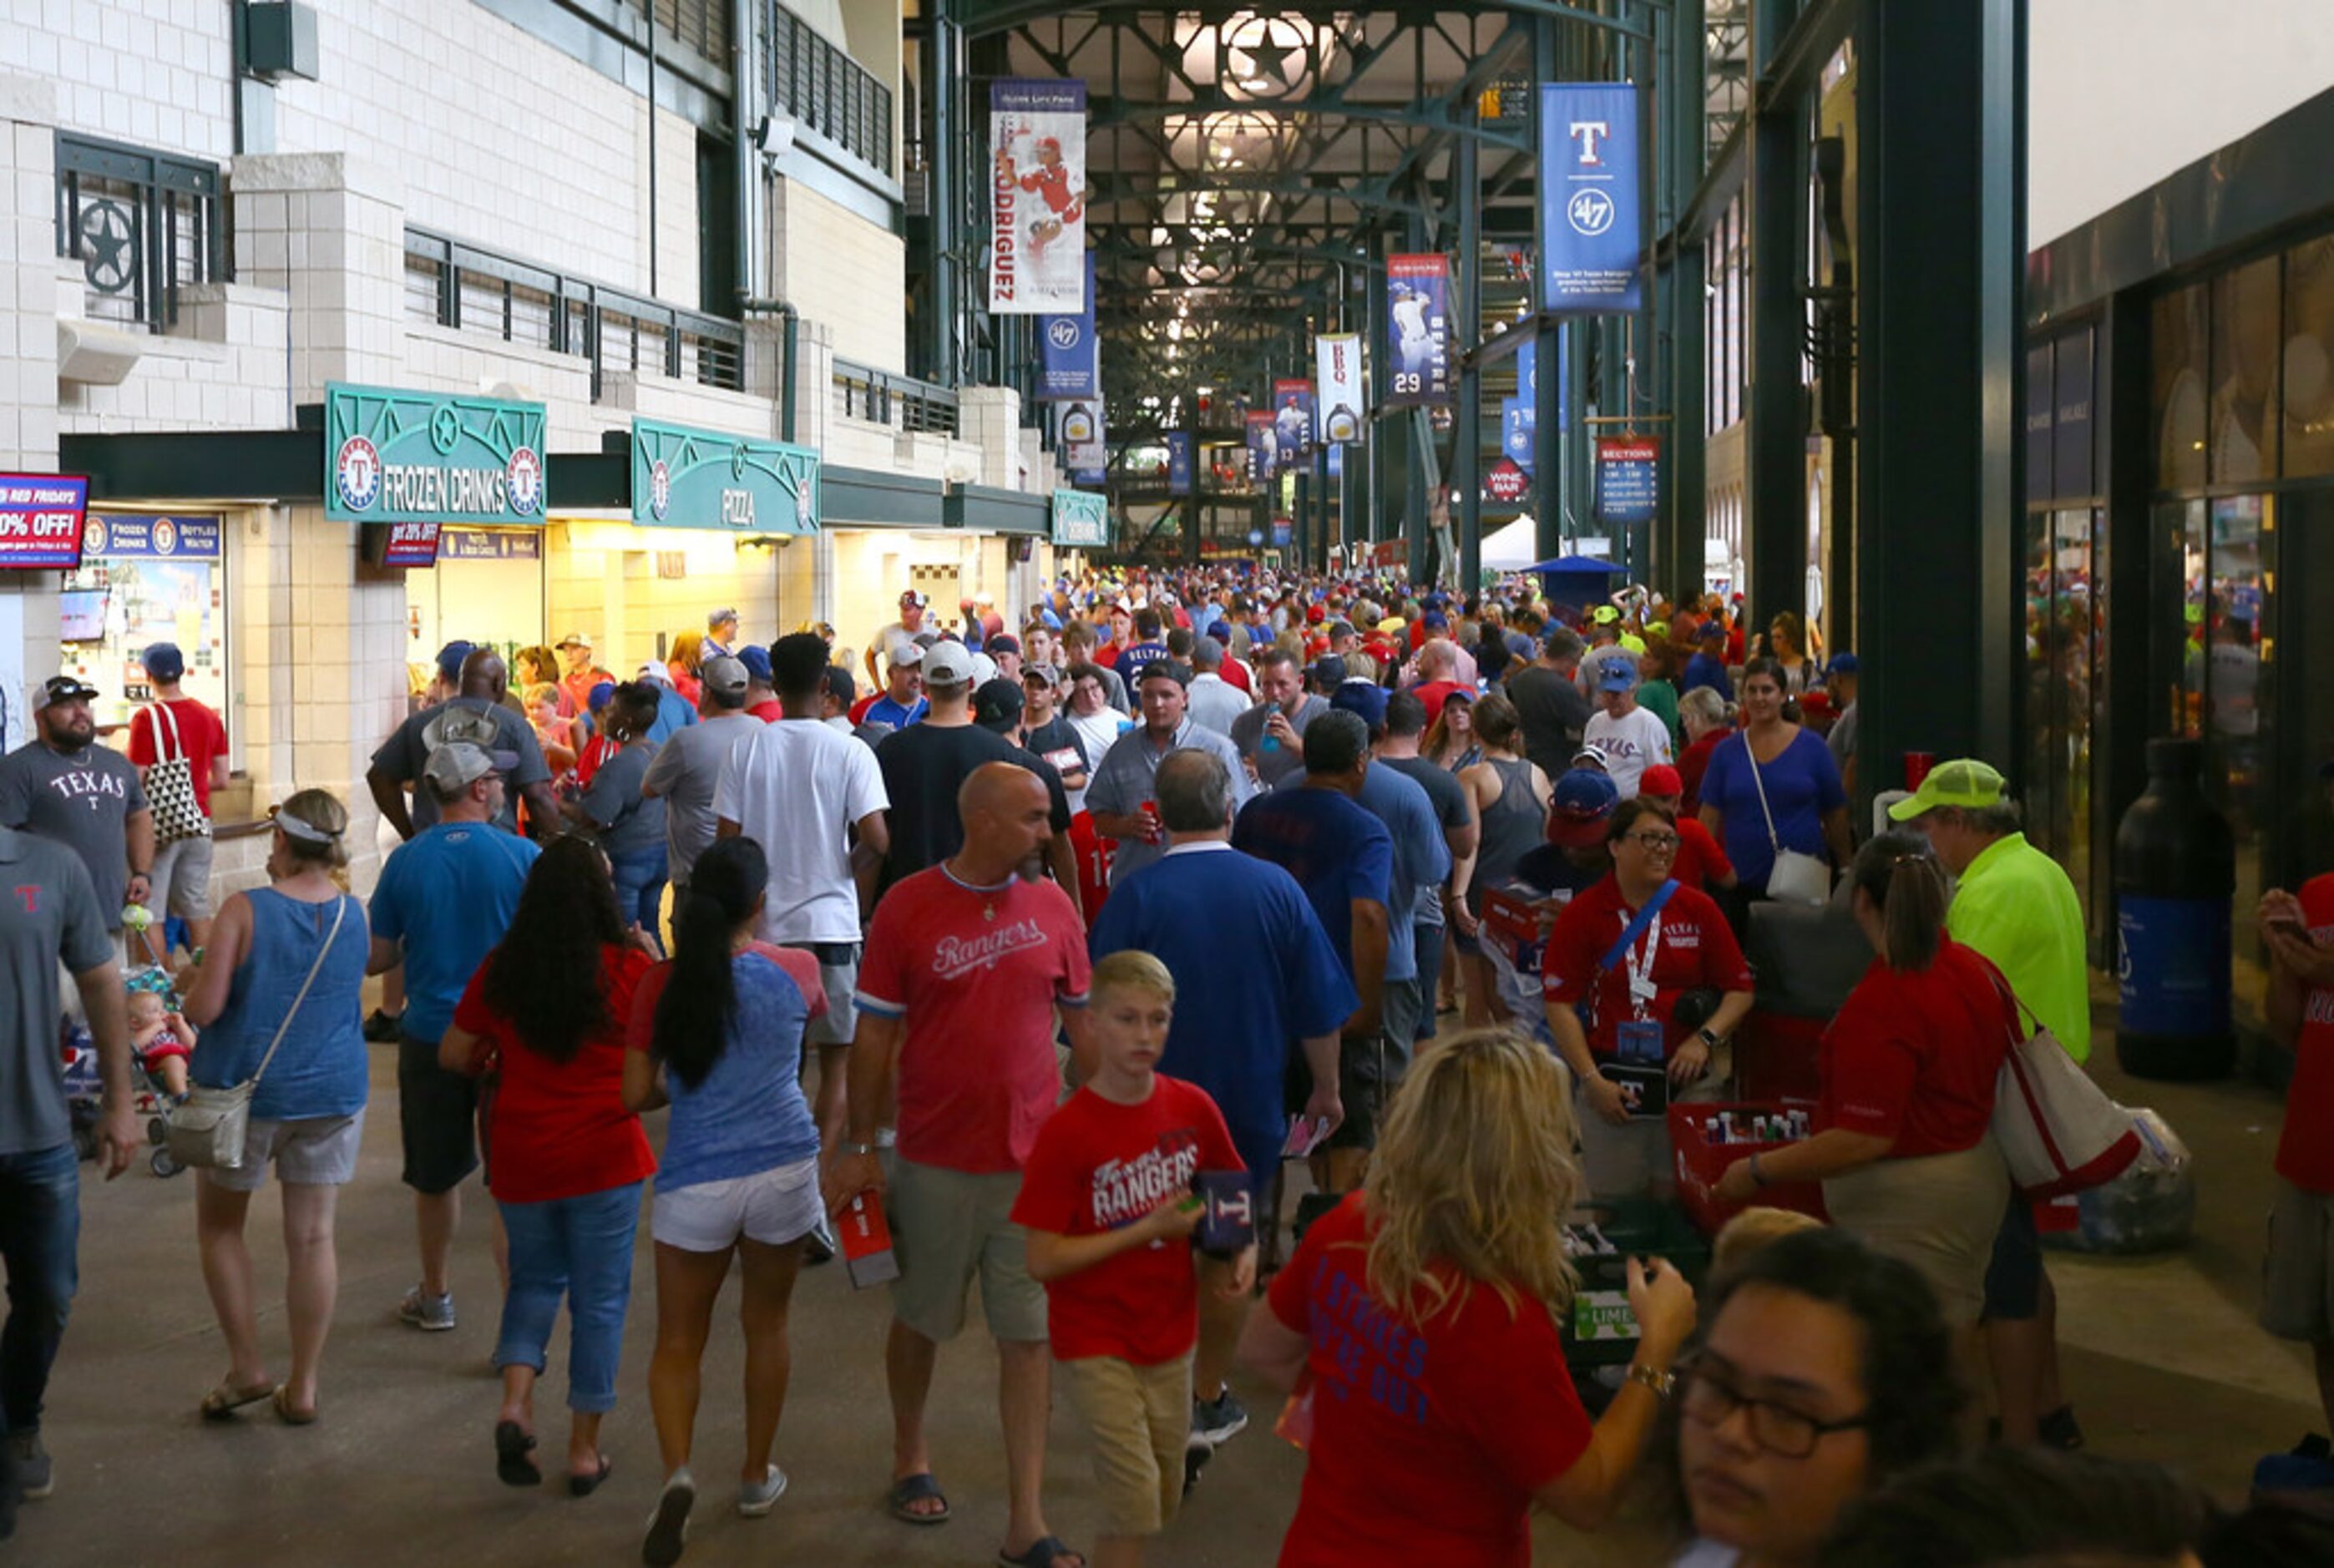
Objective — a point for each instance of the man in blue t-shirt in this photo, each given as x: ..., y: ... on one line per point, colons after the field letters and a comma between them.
x: 445, y: 899
x: 1422, y: 858
x: 1272, y: 979
x: 902, y: 702
x: 1343, y: 858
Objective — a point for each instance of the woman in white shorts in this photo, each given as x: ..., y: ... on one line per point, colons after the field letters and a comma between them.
x: 717, y: 1033
x: 307, y: 1116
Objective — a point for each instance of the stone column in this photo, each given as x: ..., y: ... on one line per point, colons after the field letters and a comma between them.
x: 29, y: 648
x: 324, y: 677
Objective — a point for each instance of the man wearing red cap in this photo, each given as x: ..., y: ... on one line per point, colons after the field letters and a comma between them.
x: 1701, y: 863
x: 913, y: 605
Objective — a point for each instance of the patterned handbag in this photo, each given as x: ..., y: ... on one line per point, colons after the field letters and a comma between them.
x: 171, y: 784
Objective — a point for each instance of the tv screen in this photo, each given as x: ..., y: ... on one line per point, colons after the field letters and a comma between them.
x: 41, y: 518
x: 84, y: 611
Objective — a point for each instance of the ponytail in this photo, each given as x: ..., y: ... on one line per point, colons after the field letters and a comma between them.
x: 1898, y: 872
x: 700, y: 998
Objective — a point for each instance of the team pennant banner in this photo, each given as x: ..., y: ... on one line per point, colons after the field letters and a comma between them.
x: 1038, y: 197
x: 1337, y: 376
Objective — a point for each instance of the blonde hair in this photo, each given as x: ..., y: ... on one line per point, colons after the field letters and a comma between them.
x: 322, y: 811
x: 687, y: 649
x: 1130, y: 969
x: 542, y: 691
x: 1474, y: 1175
x: 1755, y: 1229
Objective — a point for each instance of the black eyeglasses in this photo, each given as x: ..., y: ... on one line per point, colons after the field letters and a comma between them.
x: 1708, y: 1399
x: 1659, y: 843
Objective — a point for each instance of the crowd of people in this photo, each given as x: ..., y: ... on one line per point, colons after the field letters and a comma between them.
x: 1059, y: 953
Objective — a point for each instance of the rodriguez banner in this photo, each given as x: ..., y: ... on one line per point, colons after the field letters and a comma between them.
x: 1417, y: 330
x: 1036, y: 196
x: 1337, y: 365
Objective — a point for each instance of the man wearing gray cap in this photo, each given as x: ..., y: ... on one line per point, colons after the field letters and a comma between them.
x: 689, y: 765
x: 445, y: 899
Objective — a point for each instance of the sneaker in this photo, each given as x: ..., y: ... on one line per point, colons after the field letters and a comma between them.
x: 2060, y: 1430
x: 1197, y: 1452
x: 29, y: 1467
x: 756, y: 1499
x: 669, y: 1525
x: 380, y: 1029
x: 430, y: 1313
x: 1219, y: 1420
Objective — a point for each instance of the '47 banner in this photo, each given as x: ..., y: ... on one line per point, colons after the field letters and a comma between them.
x: 1068, y: 363
x: 1292, y: 418
x: 1418, y: 328
x: 1592, y: 222
x: 1179, y: 462
x: 1036, y: 196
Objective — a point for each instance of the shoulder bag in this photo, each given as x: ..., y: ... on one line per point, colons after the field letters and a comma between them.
x: 171, y: 783
x: 2057, y: 1130
x: 1798, y: 878
x: 207, y: 1128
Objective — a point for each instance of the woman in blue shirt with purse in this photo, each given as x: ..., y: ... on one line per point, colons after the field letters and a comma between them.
x: 1772, y: 793
x: 277, y: 995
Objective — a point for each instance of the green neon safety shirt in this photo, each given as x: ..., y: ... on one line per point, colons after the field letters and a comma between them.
x: 2018, y: 908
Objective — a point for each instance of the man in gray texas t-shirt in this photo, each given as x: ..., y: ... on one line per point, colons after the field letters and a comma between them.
x: 62, y: 785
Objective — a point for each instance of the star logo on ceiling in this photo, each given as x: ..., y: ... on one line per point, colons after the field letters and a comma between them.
x: 1269, y: 56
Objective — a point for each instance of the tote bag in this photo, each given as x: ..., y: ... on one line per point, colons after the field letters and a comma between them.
x: 171, y: 783
x: 2057, y: 1130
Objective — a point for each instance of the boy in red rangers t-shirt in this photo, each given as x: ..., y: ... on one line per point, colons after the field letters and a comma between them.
x: 1106, y: 1200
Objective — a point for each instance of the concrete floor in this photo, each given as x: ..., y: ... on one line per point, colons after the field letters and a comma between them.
x: 2161, y: 1355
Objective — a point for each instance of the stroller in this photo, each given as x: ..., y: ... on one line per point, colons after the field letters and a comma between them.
x: 85, y: 1090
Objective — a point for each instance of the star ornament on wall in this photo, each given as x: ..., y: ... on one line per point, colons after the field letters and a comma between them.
x: 1269, y: 56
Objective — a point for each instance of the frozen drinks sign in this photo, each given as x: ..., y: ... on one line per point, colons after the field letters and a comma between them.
x: 1081, y: 520
x: 394, y: 456
x: 685, y: 478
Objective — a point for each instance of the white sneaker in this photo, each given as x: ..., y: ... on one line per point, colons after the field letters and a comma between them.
x: 756, y: 1499
x: 669, y: 1525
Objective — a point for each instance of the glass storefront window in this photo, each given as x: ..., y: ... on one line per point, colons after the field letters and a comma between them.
x: 2179, y: 366
x: 2239, y: 697
x: 2244, y: 373
x: 2308, y: 359
x: 2062, y: 628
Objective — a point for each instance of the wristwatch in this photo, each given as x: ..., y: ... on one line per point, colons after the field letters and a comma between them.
x: 1757, y: 1177
x: 1707, y: 1038
x: 1660, y: 1382
x: 858, y: 1149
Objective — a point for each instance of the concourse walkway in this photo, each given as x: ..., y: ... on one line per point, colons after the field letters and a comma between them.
x: 2161, y: 1355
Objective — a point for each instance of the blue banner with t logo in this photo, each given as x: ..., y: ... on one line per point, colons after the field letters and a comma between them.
x: 1066, y: 364
x: 1592, y: 221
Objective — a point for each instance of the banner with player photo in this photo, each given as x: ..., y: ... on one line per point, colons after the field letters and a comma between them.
x: 1036, y: 196
x: 1338, y: 366
x: 1263, y: 447
x: 1417, y: 330
x: 1292, y: 419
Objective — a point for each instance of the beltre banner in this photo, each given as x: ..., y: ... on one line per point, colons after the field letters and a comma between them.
x: 1417, y: 330
x: 1036, y: 198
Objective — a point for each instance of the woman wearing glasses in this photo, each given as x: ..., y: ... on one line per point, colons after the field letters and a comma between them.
x: 1419, y: 1321
x: 1825, y: 1370
x: 1623, y: 956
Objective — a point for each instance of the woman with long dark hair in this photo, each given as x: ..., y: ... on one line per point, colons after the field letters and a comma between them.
x: 628, y: 824
x: 717, y: 1033
x: 564, y: 1156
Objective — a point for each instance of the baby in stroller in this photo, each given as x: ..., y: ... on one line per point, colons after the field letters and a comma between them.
x: 159, y: 1035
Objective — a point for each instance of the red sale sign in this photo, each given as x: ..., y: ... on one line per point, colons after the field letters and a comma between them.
x: 41, y: 518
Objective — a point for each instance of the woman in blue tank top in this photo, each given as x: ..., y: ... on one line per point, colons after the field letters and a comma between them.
x: 286, y: 962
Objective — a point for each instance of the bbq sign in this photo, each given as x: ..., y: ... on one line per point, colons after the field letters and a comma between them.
x: 397, y: 457
x: 689, y: 478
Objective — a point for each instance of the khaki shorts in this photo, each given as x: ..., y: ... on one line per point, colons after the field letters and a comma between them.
x: 311, y: 1151
x: 949, y: 1226
x: 2298, y: 1276
x: 1140, y: 1420
x: 181, y: 882
x: 1937, y: 1212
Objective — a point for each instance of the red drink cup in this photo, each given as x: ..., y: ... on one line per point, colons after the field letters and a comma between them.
x: 1917, y: 764
x: 1150, y: 824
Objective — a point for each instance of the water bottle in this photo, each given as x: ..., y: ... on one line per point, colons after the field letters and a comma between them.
x: 2175, y: 875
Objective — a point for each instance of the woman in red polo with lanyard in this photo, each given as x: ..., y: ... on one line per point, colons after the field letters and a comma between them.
x: 1905, y: 1146
x: 1622, y: 955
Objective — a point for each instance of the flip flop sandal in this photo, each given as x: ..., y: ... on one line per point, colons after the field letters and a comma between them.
x: 584, y: 1485
x: 513, y: 1444
x: 916, y: 1489
x: 281, y: 1401
x: 1039, y: 1554
x: 224, y: 1401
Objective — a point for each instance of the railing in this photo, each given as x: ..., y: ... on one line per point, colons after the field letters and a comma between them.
x: 822, y: 87
x: 142, y: 224
x: 879, y: 396
x: 472, y: 290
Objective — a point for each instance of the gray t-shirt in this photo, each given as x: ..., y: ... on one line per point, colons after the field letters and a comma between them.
x: 687, y: 768
x: 49, y: 912
x: 82, y: 800
x: 402, y: 756
x: 1842, y: 739
x: 629, y: 823
x: 1123, y: 782
x: 1282, y: 759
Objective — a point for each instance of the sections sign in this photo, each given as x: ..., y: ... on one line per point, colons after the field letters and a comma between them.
x: 395, y: 456
x: 689, y: 478
x: 41, y: 521
x: 116, y: 536
x: 1592, y: 217
x: 1627, y: 485
x: 1036, y: 196
x: 1081, y: 520
x: 1418, y: 328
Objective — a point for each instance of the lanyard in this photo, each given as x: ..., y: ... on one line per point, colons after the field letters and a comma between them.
x: 1641, y: 966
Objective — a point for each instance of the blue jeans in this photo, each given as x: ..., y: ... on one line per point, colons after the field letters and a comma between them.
x: 640, y: 890
x: 581, y: 1248
x: 40, y: 1233
x: 1429, y: 975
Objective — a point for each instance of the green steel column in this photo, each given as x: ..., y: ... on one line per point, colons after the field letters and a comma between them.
x: 1775, y: 449
x: 1467, y: 446
x: 942, y: 86
x: 1677, y: 296
x: 1380, y: 427
x: 1547, y: 437
x: 1940, y: 114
